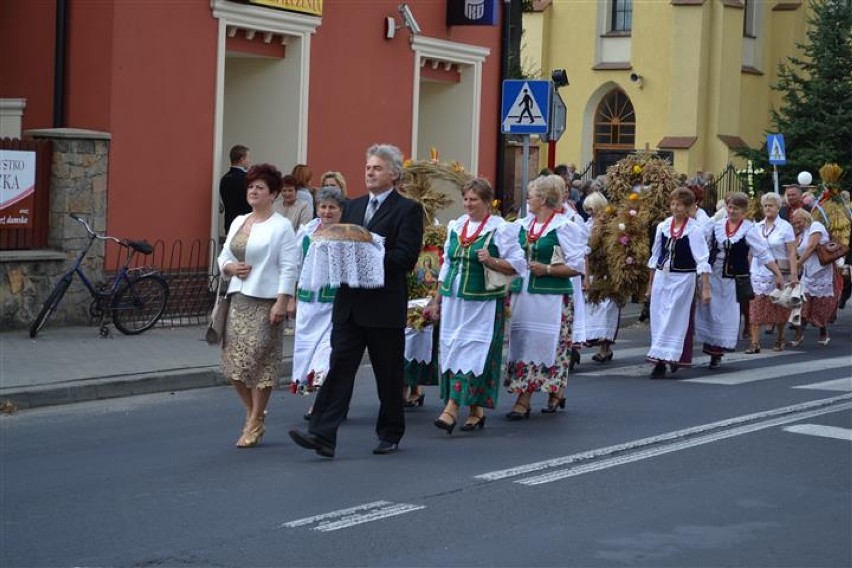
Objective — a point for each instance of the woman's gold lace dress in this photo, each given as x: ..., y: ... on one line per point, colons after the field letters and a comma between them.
x: 253, y: 347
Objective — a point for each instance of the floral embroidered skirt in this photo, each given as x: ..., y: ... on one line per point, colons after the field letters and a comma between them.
x: 253, y: 347
x: 761, y: 311
x: 819, y: 310
x: 468, y: 389
x: 523, y: 376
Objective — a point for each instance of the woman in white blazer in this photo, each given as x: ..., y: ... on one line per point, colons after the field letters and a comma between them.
x: 261, y: 259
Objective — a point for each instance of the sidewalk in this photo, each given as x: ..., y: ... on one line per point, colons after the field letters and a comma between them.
x: 74, y: 364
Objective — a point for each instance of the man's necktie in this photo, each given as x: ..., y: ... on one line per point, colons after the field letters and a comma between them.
x: 371, y: 210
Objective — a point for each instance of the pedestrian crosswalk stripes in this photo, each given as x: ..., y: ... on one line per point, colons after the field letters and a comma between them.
x: 352, y: 516
x: 773, y: 372
x: 821, y: 431
x: 643, y: 369
x: 842, y: 385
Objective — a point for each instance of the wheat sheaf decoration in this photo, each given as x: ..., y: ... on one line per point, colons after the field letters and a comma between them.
x: 418, y: 177
x: 639, y: 187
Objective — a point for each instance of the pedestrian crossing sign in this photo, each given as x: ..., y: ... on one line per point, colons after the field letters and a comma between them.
x: 775, y: 147
x: 526, y: 106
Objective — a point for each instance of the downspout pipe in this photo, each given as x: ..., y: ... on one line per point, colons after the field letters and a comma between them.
x: 59, y: 63
x: 500, y: 189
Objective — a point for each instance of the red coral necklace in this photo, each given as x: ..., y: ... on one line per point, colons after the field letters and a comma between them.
x: 531, y: 234
x: 728, y: 232
x: 467, y: 241
x: 675, y: 235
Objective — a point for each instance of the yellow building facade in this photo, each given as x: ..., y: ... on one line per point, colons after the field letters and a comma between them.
x: 687, y: 77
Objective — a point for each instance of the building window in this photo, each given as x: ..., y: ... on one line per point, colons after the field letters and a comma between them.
x: 622, y: 16
x: 615, y: 121
x: 749, y: 18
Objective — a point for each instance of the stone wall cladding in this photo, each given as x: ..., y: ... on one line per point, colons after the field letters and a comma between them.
x: 78, y: 185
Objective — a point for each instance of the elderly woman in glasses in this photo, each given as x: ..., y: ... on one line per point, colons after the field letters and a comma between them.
x: 781, y: 241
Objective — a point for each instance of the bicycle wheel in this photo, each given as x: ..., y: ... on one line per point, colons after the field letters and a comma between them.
x: 139, y: 303
x: 50, y: 304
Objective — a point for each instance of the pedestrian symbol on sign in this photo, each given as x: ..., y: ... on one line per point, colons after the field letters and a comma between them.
x: 524, y: 110
x: 775, y: 146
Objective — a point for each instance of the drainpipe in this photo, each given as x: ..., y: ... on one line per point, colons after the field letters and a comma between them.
x: 60, y: 52
x: 500, y: 190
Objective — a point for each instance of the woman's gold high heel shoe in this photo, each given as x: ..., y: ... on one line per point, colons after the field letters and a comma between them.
x: 251, y: 436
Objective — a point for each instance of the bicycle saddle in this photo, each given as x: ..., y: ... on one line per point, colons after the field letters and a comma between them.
x: 140, y: 246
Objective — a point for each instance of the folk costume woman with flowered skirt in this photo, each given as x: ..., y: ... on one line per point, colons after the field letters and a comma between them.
x: 731, y: 240
x: 473, y: 317
x: 542, y: 304
x: 312, y: 341
x: 679, y: 253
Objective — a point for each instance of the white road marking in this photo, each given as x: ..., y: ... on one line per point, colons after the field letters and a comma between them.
x: 842, y: 385
x: 772, y: 372
x: 644, y: 369
x: 352, y: 516
x: 677, y: 446
x: 819, y: 430
x: 661, y: 438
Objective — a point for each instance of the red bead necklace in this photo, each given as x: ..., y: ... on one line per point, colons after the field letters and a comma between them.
x: 467, y: 241
x: 729, y: 233
x: 531, y: 234
x: 674, y: 235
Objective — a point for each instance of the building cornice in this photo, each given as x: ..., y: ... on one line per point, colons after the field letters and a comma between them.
x: 732, y: 142
x: 677, y: 142
x: 786, y: 6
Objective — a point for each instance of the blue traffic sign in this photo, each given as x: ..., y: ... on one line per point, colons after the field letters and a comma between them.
x: 526, y: 106
x: 775, y: 147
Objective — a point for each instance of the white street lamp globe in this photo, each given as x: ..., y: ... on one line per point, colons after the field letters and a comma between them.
x: 805, y: 178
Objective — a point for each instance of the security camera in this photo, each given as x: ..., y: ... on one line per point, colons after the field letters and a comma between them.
x: 409, y: 18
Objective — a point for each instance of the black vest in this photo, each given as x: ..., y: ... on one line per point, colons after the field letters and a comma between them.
x: 736, y: 259
x: 682, y: 259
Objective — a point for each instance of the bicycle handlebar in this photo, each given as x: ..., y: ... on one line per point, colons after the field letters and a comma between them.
x: 143, y: 247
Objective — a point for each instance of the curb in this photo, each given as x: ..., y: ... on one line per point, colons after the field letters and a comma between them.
x: 123, y: 385
x: 149, y: 383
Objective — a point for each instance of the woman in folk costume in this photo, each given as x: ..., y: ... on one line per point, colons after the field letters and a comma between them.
x: 817, y: 280
x: 679, y: 252
x: 602, y: 318
x: 472, y: 316
x: 731, y: 240
x: 312, y: 343
x: 781, y: 241
x: 542, y: 308
x: 578, y: 333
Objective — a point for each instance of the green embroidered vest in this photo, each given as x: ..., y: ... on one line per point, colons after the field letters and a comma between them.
x: 541, y: 251
x: 326, y: 293
x: 463, y: 260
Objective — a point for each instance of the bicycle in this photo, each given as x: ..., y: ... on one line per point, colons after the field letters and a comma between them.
x: 135, y: 297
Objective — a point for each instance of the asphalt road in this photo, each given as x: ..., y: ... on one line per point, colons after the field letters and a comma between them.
x: 747, y: 469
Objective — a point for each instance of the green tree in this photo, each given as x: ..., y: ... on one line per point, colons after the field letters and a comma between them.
x: 816, y: 110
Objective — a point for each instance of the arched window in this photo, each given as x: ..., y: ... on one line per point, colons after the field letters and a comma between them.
x: 615, y: 121
x: 615, y: 130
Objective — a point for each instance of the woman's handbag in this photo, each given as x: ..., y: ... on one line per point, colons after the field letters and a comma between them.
x: 218, y: 317
x: 494, y: 279
x: 745, y: 293
x: 831, y: 251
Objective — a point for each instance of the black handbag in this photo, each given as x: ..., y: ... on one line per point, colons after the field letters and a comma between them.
x: 745, y: 293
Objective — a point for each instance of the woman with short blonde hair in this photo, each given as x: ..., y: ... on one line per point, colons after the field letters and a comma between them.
x: 817, y: 280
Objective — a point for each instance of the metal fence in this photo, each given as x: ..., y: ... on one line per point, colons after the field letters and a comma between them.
x: 192, y: 274
x: 729, y: 181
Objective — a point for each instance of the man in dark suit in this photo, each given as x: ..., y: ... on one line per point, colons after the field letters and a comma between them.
x: 371, y: 318
x: 232, y: 186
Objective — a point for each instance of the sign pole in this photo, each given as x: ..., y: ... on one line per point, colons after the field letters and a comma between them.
x: 525, y: 176
x: 775, y: 178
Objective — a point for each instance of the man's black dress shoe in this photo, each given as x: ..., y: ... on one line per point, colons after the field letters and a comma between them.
x: 386, y: 448
x: 311, y: 442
